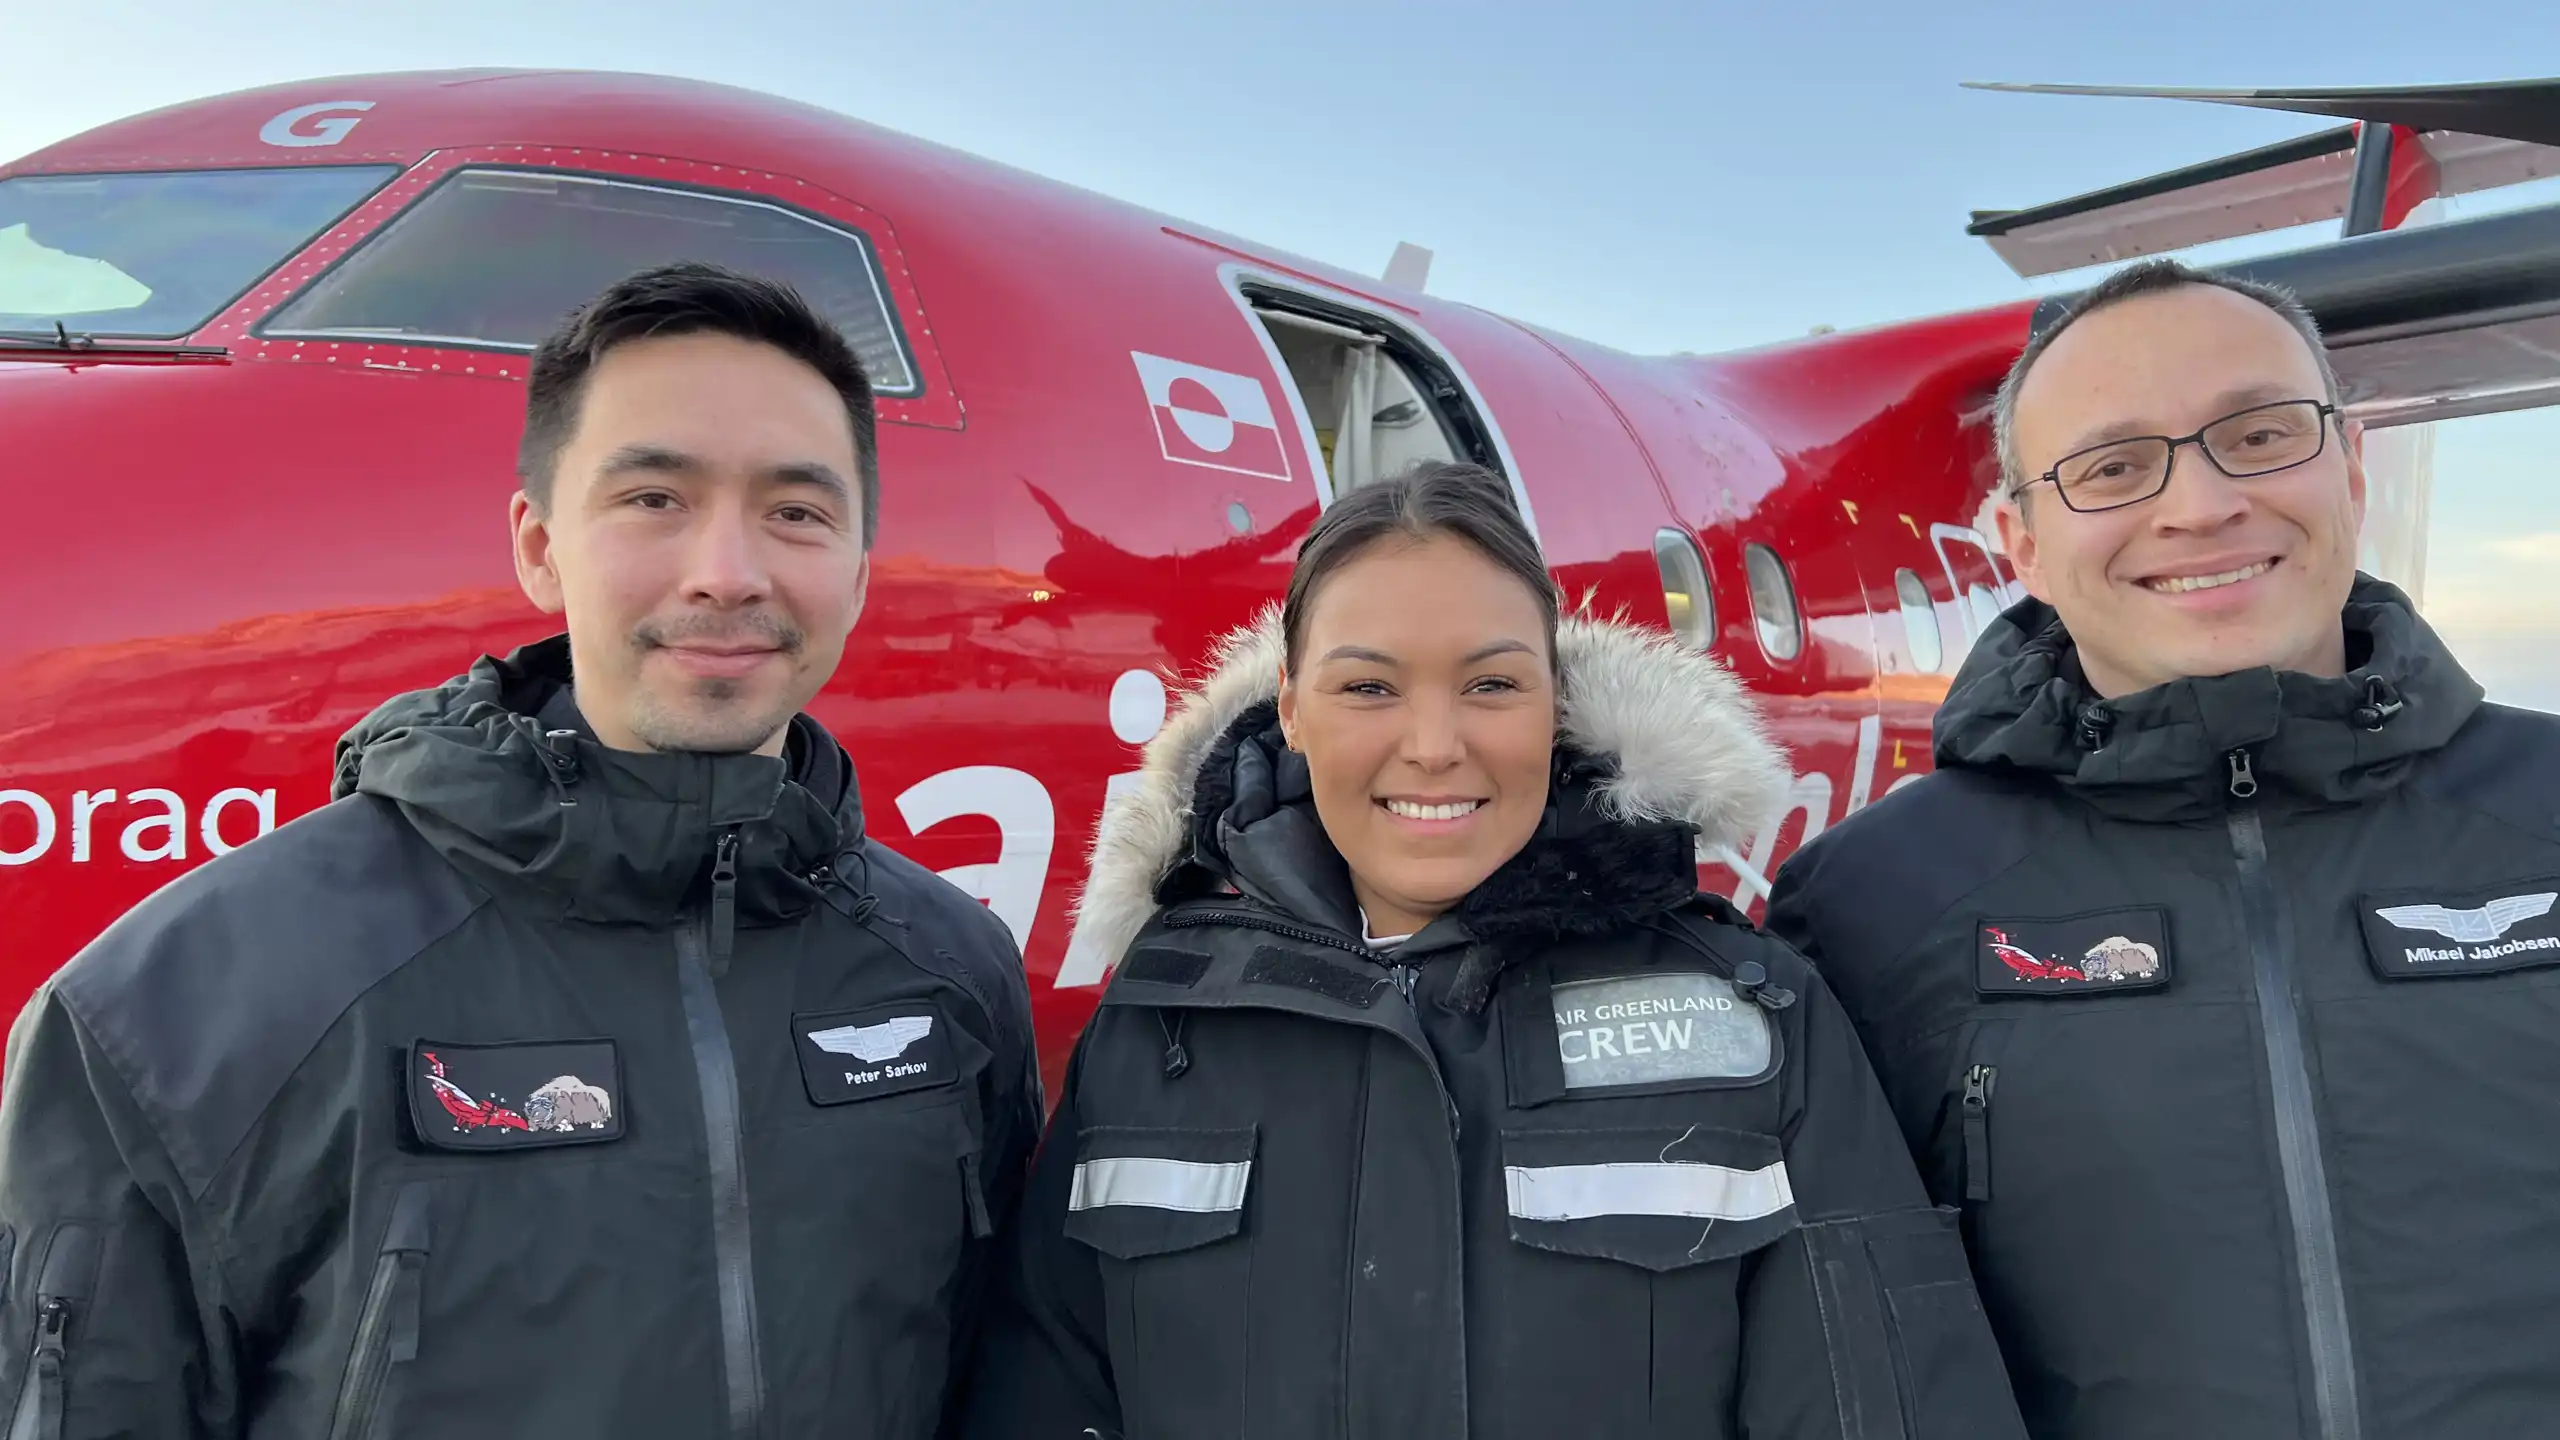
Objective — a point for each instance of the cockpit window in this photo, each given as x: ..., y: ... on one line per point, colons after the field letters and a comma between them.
x: 496, y: 258
x: 156, y: 254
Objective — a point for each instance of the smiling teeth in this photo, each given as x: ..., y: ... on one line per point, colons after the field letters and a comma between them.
x: 2180, y: 584
x: 1412, y: 811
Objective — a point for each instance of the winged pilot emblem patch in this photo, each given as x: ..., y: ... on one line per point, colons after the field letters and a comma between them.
x: 874, y: 1043
x: 2412, y: 935
x: 2477, y: 926
x: 883, y: 1050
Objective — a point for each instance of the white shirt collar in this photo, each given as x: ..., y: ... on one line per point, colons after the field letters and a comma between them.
x: 1379, y: 942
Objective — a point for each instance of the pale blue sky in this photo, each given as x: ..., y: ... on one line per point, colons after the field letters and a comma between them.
x: 1657, y: 176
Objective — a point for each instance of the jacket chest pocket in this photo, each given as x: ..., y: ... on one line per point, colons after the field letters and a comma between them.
x: 386, y: 1334
x: 1166, y: 1210
x: 1622, y: 1306
x: 879, y: 1202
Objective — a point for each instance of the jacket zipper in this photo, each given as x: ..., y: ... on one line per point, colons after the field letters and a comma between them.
x: 387, y: 1328
x: 702, y: 947
x: 724, y: 899
x: 2306, y: 1183
x: 1351, y: 1252
x: 1978, y: 1083
x: 1400, y: 974
x: 1402, y: 977
x: 1257, y: 920
x: 60, y: 1290
x: 40, y: 1403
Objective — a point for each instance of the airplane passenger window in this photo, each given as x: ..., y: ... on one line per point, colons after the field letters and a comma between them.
x: 494, y: 258
x: 1685, y: 594
x: 1920, y: 621
x: 1773, y: 602
x: 156, y: 254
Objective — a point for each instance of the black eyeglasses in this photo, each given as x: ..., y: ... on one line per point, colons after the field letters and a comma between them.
x: 2258, y: 441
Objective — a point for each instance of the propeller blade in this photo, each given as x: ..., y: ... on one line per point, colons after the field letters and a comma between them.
x: 2527, y: 110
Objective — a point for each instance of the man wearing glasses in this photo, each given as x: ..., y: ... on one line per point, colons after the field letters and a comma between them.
x: 2215, y: 974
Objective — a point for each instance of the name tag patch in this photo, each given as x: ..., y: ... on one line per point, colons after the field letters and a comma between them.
x: 515, y: 1096
x: 1657, y: 1029
x: 2105, y: 952
x: 2415, y: 934
x: 863, y: 1054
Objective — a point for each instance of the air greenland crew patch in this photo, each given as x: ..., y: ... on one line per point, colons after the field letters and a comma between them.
x: 515, y: 1096
x: 2414, y: 934
x: 883, y: 1050
x: 1658, y: 1029
x: 2105, y: 952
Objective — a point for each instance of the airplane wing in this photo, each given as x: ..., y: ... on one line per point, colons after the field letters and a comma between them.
x: 2435, y: 140
x: 2292, y: 182
x: 2437, y: 321
x: 2427, y: 322
x: 2516, y: 109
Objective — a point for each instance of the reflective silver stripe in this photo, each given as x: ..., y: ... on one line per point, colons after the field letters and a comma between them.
x: 1696, y: 1192
x: 1194, y: 1185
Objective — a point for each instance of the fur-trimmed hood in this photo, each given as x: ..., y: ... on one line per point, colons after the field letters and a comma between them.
x: 1657, y: 747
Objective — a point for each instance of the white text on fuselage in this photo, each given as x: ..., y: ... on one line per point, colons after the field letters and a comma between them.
x: 155, y: 825
x: 149, y: 825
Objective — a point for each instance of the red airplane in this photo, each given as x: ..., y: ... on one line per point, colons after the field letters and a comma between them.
x: 261, y: 368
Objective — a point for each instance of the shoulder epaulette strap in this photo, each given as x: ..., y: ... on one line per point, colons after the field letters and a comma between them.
x: 1708, y: 905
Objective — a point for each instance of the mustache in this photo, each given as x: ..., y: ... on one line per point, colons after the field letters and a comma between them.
x: 752, y: 626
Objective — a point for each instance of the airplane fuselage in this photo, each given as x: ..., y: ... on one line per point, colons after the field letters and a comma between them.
x: 1103, y: 433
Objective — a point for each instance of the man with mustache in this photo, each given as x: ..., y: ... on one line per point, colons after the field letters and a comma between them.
x: 583, y: 1069
x: 2213, y: 972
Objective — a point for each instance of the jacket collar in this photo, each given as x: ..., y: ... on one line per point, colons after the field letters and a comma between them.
x: 499, y: 771
x: 2021, y: 705
x: 1658, y: 750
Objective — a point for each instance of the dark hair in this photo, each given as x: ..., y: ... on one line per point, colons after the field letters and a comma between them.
x: 1434, y: 497
x: 688, y: 297
x: 2148, y: 277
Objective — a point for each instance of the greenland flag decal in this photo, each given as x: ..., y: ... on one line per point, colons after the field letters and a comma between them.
x: 1212, y: 418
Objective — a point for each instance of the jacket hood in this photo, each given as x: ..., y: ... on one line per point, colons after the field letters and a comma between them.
x: 2021, y: 705
x: 500, y: 772
x: 1658, y: 750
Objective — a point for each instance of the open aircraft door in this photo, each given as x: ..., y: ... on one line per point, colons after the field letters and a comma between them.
x: 1974, y: 574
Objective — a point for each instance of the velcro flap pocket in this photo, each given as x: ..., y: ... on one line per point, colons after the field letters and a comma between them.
x: 1143, y: 1191
x: 1906, y: 1328
x: 1916, y: 1247
x: 1662, y: 1198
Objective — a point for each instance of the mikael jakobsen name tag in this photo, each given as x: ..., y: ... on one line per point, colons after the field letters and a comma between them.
x: 2427, y: 933
x: 1657, y: 1029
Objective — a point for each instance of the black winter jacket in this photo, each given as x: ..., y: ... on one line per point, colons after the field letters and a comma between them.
x: 1586, y: 1156
x: 2230, y: 1011
x: 527, y: 1088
